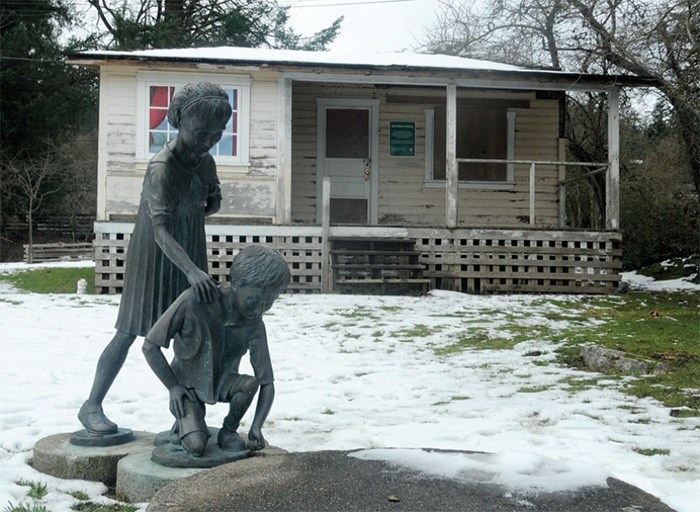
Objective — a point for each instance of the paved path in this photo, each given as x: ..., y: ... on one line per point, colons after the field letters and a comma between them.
x: 332, y: 481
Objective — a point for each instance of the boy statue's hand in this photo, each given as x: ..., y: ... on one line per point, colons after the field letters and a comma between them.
x: 256, y: 441
x: 177, y: 397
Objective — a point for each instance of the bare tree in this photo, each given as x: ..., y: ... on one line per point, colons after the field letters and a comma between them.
x: 33, y: 180
x: 652, y: 38
x: 78, y: 157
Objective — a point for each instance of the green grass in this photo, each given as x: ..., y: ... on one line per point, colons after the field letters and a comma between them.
x: 663, y: 327
x: 88, y: 506
x: 650, y: 452
x: 475, y: 339
x: 51, y: 280
x: 25, y: 507
x: 361, y: 312
x: 417, y: 331
x: 533, y: 389
x: 37, y: 490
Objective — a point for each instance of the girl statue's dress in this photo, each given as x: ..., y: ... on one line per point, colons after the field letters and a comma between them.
x: 167, y: 252
x: 176, y: 196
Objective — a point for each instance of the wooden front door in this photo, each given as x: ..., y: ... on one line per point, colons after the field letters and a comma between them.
x: 346, y: 149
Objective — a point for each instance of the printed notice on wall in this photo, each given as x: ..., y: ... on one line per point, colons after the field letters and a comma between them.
x: 402, y: 138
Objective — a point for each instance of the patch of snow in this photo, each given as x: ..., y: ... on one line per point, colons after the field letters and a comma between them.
x: 356, y: 373
x: 524, y: 472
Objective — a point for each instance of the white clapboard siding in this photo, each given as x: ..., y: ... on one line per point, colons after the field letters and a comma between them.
x: 121, y: 174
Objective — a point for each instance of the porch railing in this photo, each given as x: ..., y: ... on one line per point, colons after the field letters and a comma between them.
x: 599, y: 167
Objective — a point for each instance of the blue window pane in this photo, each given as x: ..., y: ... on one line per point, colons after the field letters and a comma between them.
x: 226, y: 145
x: 163, y: 124
x: 158, y: 140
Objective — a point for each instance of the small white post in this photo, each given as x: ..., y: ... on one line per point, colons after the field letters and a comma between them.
x: 532, y: 194
x: 326, y: 281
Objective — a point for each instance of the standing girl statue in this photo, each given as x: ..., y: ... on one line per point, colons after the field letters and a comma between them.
x: 167, y: 251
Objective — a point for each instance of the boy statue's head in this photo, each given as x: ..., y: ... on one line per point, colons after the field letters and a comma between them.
x: 258, y: 276
x: 260, y: 266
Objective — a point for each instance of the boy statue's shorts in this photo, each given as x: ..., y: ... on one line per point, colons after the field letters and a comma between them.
x: 233, y: 383
x: 192, y: 422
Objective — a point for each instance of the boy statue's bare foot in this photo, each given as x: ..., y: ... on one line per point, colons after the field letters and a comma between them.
x: 93, y: 418
x: 230, y: 441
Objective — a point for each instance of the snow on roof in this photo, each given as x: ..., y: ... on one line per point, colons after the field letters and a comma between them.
x: 333, y: 59
x: 329, y: 58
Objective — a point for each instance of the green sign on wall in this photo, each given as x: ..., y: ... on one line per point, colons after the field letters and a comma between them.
x: 402, y: 138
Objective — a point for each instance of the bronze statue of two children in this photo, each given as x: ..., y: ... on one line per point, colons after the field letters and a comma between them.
x: 168, y: 294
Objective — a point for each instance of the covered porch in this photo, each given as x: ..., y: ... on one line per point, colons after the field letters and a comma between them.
x: 466, y: 165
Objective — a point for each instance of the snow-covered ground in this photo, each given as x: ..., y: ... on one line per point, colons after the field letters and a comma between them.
x: 362, y: 372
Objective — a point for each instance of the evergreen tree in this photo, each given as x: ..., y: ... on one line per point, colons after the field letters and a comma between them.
x: 41, y: 96
x: 141, y: 24
x: 44, y: 103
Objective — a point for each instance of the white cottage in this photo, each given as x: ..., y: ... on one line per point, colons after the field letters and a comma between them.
x: 369, y: 170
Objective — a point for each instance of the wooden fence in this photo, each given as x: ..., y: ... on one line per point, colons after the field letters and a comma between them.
x: 58, y: 251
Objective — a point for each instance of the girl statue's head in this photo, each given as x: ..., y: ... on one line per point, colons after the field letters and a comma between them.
x: 208, y: 100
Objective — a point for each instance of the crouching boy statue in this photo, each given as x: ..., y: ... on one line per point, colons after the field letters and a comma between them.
x: 209, y: 340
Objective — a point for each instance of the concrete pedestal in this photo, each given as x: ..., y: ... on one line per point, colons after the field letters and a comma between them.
x: 128, y: 467
x: 56, y: 456
x: 139, y: 477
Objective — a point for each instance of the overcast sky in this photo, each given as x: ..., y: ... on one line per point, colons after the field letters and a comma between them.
x: 369, y: 25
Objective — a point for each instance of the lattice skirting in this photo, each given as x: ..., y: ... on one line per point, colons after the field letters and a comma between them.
x: 301, y: 248
x: 532, y: 261
x: 467, y: 260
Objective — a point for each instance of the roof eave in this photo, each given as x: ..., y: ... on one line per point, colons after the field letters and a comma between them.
x: 580, y: 80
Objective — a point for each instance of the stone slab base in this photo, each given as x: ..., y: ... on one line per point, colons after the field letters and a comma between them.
x: 56, y: 456
x: 139, y: 478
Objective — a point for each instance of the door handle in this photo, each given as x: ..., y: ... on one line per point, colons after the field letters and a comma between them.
x: 368, y: 170
x: 367, y: 173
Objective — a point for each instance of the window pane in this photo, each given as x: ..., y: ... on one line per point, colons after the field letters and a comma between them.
x: 347, y: 133
x: 159, y: 128
x: 226, y: 145
x: 158, y: 140
x: 481, y: 133
x: 160, y: 131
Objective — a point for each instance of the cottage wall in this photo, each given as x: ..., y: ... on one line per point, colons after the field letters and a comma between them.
x: 249, y: 191
x: 405, y: 198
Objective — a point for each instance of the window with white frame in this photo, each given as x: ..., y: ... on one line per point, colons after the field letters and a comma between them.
x: 482, y: 133
x: 156, y: 91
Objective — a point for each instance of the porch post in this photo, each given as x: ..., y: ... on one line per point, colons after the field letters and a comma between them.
x: 283, y: 199
x: 612, y: 177
x: 451, y: 172
x: 326, y: 278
